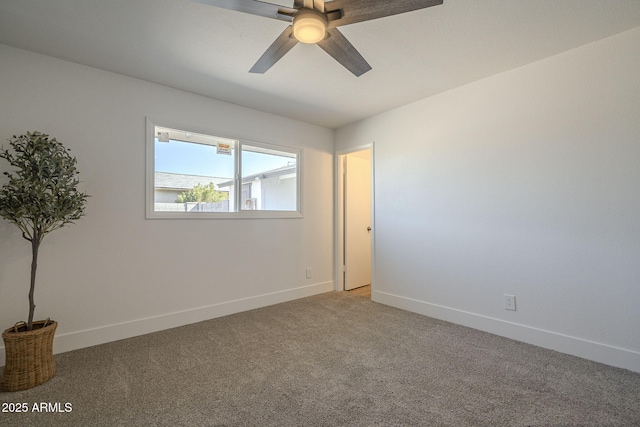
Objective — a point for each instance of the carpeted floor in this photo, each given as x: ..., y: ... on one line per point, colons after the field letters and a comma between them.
x: 329, y: 360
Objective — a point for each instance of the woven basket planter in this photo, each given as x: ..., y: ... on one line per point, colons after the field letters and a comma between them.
x: 29, y: 355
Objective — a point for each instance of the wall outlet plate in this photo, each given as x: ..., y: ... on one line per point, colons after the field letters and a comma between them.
x: 510, y: 302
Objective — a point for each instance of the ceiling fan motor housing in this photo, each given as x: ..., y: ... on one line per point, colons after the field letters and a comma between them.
x: 309, y: 26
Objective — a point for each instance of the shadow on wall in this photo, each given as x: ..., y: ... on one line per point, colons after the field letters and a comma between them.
x: 13, y: 249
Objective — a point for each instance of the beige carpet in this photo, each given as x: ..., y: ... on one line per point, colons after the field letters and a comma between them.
x: 329, y: 360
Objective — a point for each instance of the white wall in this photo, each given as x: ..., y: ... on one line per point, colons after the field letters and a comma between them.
x: 115, y: 274
x: 525, y: 183
x: 278, y: 193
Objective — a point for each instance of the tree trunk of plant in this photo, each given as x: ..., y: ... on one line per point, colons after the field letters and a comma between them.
x: 35, y: 245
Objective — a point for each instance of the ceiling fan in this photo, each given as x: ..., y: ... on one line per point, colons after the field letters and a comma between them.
x: 316, y: 22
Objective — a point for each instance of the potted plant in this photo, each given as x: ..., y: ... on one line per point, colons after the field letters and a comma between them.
x: 41, y: 196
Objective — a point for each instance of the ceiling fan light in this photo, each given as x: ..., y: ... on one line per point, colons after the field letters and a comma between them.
x: 309, y: 26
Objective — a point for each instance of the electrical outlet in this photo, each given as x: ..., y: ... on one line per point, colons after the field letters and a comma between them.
x: 308, y: 272
x: 510, y: 302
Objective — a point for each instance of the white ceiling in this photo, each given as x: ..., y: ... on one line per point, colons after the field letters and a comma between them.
x: 207, y: 50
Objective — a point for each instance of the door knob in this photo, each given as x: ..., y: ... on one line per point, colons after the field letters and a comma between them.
x: 368, y: 228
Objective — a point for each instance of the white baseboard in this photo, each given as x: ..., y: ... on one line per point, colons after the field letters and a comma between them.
x: 598, y: 352
x: 104, y: 334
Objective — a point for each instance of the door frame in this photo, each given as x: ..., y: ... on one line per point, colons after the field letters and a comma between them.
x: 339, y: 215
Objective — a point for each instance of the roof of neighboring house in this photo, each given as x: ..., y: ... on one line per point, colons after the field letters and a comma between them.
x: 262, y: 175
x: 182, y: 182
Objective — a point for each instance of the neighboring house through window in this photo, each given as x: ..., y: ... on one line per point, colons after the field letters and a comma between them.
x: 194, y: 174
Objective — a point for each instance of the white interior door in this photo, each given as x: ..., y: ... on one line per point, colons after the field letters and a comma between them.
x: 357, y: 222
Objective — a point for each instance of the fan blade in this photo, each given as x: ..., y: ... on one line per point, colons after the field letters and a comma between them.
x: 277, y: 50
x: 254, y: 7
x: 337, y: 45
x: 343, y: 12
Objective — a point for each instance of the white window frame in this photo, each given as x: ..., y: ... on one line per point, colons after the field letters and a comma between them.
x: 151, y: 213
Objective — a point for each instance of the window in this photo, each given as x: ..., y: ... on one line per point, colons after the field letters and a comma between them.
x: 198, y: 175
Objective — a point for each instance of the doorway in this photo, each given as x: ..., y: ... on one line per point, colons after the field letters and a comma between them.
x: 355, y: 220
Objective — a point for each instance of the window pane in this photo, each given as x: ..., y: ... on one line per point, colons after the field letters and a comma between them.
x: 199, y: 175
x: 269, y: 179
x: 193, y: 172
